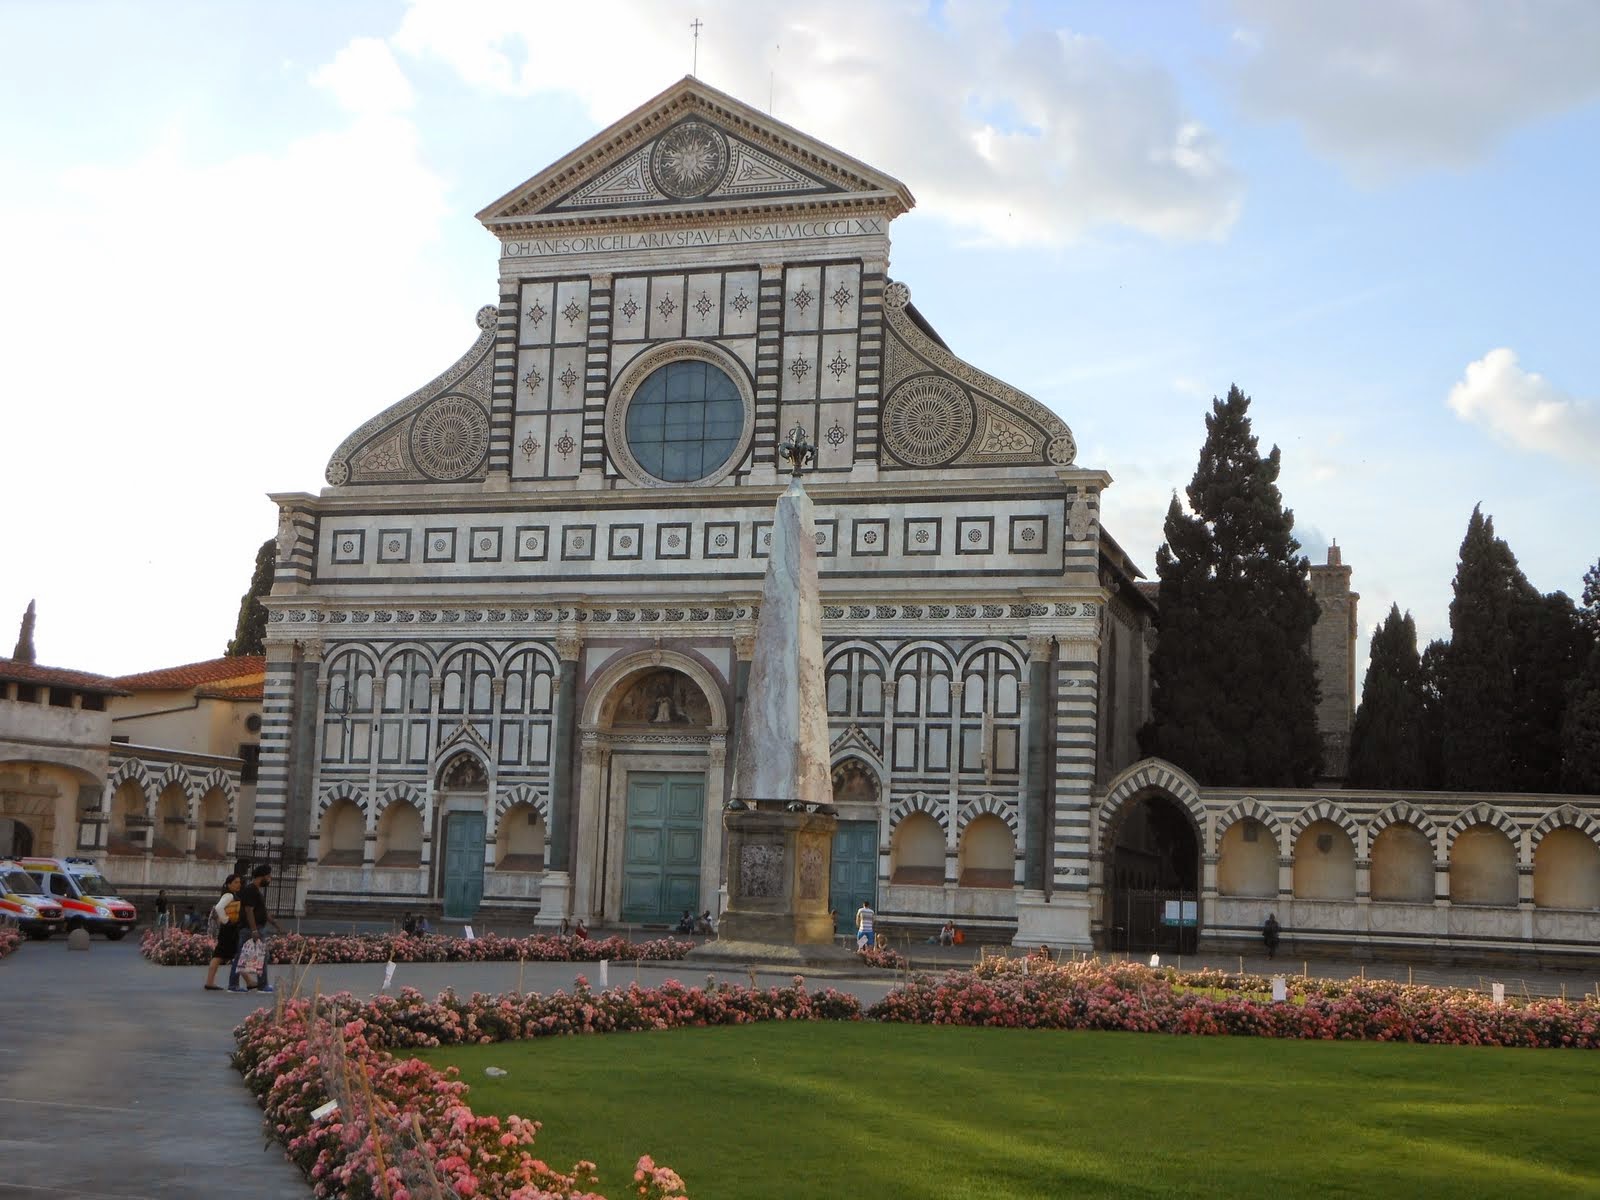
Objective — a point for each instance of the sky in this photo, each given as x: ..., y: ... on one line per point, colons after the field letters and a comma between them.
x: 230, y: 233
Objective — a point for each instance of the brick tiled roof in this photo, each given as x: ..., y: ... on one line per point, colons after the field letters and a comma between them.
x: 15, y: 671
x: 212, y: 671
x: 232, y: 691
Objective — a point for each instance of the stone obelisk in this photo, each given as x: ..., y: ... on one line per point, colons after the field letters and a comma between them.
x: 780, y: 821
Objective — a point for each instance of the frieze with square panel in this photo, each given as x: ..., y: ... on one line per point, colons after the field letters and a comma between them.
x: 626, y: 542
x: 439, y: 545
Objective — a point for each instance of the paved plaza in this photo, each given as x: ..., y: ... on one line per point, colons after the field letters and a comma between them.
x: 115, y: 1080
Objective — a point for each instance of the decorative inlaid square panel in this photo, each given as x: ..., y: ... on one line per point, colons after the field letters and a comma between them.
x: 394, y: 545
x: 869, y: 538
x: 626, y: 542
x: 974, y: 535
x: 484, y: 545
x: 577, y: 543
x: 439, y: 545
x: 922, y: 535
x: 533, y: 543
x: 1030, y: 535
x: 672, y: 541
x: 721, y: 540
x: 827, y: 538
x: 761, y: 539
x: 349, y: 545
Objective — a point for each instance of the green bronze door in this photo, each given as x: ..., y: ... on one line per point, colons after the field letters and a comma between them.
x: 855, y: 872
x: 463, y: 864
x: 661, y: 846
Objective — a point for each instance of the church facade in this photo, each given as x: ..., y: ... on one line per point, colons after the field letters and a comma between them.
x: 508, y: 643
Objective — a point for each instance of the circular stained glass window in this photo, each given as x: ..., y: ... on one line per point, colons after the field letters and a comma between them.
x: 684, y: 421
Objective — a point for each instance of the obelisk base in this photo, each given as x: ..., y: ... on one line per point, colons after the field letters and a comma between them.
x: 779, y: 863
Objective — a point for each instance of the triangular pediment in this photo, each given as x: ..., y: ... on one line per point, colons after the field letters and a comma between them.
x: 693, y: 149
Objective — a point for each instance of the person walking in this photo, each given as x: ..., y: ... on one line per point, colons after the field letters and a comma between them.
x: 1269, y: 935
x: 227, y: 912
x: 253, y: 907
x: 161, y: 909
x: 864, y: 922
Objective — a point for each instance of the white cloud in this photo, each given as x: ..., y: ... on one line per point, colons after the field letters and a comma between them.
x: 1026, y: 137
x: 198, y: 331
x: 365, y: 78
x: 1525, y: 410
x: 1386, y: 85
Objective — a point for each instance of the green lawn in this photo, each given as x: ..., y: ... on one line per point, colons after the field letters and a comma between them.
x: 882, y: 1111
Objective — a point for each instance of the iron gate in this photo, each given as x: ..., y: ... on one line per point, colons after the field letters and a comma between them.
x: 1143, y: 919
x: 286, y: 862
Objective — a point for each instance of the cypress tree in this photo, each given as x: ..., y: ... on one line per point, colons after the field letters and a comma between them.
x: 1234, y: 684
x: 1387, y: 741
x: 1580, y: 727
x: 250, y: 632
x: 1433, y: 660
x: 1550, y: 648
x: 1477, y: 685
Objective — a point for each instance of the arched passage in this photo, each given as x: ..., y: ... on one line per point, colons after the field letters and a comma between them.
x: 1152, y: 856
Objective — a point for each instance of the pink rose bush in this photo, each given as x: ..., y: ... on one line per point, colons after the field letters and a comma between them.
x: 881, y: 956
x: 403, y: 1127
x: 10, y: 939
x: 176, y: 948
x: 1036, y: 993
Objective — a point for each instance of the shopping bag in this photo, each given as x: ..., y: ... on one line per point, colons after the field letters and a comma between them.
x: 252, y: 959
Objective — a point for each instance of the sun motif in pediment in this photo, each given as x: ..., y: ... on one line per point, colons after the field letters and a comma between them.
x: 689, y: 160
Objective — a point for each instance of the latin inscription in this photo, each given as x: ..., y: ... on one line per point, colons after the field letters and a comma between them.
x: 689, y: 239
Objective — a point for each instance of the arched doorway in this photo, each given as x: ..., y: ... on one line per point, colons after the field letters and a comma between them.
x: 460, y: 832
x: 16, y: 839
x: 651, y: 789
x: 1152, y: 864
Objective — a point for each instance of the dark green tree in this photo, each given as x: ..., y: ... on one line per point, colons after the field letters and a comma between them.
x: 1388, y: 740
x: 1478, y: 680
x: 1234, y: 696
x: 1550, y: 647
x: 1433, y: 660
x: 1580, y: 726
x: 249, y: 634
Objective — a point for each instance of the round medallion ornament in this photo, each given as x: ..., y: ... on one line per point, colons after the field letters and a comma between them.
x: 1062, y: 450
x: 488, y: 317
x: 896, y: 295
x: 689, y: 159
x: 450, y: 438
x: 338, y: 472
x: 928, y: 421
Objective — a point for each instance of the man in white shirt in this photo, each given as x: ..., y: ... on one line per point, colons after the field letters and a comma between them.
x: 864, y: 918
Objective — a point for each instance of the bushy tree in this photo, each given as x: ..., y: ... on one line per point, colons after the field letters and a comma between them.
x: 250, y: 633
x: 1388, y: 739
x: 1234, y: 684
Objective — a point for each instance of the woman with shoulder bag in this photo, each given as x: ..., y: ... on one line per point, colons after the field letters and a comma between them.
x: 226, y: 911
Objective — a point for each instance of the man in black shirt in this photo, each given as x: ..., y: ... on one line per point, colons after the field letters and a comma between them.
x: 253, y: 908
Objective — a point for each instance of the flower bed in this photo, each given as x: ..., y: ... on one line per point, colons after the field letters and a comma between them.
x: 175, y: 948
x: 1036, y: 993
x: 403, y: 1126
x: 10, y: 938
